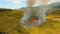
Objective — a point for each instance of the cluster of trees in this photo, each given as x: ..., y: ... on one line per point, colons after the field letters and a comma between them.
x: 4, y: 9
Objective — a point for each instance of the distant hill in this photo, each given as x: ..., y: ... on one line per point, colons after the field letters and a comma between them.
x: 51, y: 7
x: 55, y: 5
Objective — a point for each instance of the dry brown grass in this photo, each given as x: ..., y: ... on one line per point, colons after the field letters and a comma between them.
x: 10, y: 20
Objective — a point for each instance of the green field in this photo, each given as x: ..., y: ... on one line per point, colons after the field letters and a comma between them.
x: 9, y: 23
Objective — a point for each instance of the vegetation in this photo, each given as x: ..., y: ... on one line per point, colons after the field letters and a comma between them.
x: 9, y: 23
x: 4, y: 9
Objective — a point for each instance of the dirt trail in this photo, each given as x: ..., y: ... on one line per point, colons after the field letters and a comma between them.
x: 56, y: 19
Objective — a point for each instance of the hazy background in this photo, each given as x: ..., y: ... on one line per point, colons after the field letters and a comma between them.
x: 15, y: 4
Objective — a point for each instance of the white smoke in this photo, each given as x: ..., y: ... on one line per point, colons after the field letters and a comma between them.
x: 40, y: 14
x: 41, y: 2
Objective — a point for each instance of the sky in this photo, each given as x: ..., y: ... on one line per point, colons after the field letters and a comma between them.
x: 15, y: 4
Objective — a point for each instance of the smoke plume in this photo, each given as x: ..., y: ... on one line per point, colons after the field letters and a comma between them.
x: 40, y: 13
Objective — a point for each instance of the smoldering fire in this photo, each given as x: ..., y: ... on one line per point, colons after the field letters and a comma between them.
x: 33, y: 18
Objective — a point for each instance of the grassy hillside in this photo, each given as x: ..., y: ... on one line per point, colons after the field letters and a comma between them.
x: 9, y: 23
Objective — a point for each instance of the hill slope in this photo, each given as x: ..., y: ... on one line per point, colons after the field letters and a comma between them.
x: 9, y: 23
